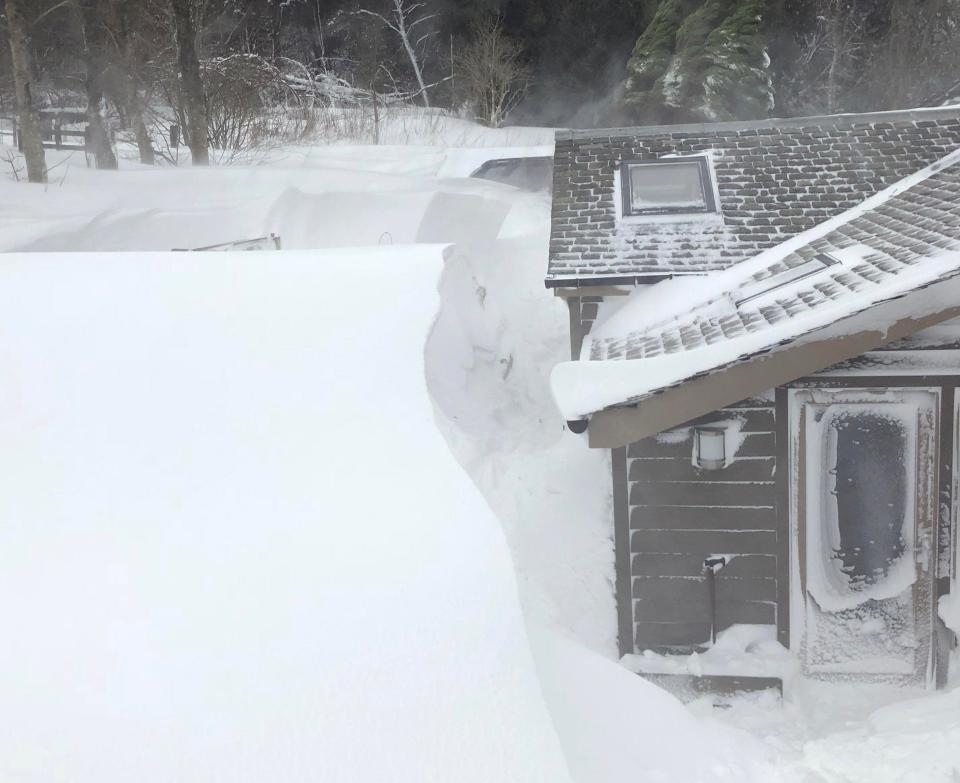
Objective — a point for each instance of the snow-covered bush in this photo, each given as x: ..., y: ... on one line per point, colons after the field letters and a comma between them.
x: 11, y: 162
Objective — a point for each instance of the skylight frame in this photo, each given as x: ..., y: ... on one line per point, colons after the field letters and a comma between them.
x: 810, y: 268
x: 710, y: 206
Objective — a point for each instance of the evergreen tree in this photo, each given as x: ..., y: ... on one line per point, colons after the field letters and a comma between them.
x: 702, y: 60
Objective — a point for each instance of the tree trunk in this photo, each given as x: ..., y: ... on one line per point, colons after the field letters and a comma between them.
x: 276, y: 27
x: 400, y: 13
x: 191, y: 84
x: 94, y: 54
x: 126, y: 42
x: 22, y: 51
x: 142, y: 135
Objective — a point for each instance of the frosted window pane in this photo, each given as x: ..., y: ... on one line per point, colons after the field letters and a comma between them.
x: 666, y: 186
x: 871, y: 494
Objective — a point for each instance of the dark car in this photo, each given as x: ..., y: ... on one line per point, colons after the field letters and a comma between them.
x: 533, y: 174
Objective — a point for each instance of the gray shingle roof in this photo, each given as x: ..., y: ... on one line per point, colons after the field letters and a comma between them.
x: 775, y: 179
x: 920, y: 222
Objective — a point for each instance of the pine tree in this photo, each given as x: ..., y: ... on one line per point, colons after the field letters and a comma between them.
x: 701, y: 60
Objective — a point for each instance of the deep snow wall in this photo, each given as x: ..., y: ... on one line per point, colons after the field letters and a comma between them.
x: 488, y: 360
x: 234, y: 545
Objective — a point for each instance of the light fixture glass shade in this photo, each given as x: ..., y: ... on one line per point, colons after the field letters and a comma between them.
x: 711, y: 451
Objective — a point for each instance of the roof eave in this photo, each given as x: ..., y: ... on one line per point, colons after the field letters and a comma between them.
x: 639, y: 278
x: 619, y: 426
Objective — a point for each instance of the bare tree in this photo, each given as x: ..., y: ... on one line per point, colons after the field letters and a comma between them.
x: 9, y: 156
x: 276, y: 28
x: 492, y: 69
x: 94, y: 32
x: 917, y: 61
x: 191, y: 83
x: 21, y: 49
x: 126, y: 25
x: 829, y: 55
x: 844, y: 40
x: 402, y: 17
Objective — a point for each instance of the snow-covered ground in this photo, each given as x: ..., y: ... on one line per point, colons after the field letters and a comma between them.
x: 253, y: 440
x: 217, y: 560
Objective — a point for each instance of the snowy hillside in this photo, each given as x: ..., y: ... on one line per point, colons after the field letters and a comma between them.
x: 242, y: 547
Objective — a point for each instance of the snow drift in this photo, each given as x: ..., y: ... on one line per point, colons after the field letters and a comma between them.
x: 235, y: 546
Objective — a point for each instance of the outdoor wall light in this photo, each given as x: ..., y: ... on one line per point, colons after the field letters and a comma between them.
x: 710, y: 452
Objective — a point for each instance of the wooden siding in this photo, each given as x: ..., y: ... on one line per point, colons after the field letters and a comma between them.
x: 675, y: 515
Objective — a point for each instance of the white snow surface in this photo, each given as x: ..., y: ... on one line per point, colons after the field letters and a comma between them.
x: 948, y: 609
x: 277, y: 580
x: 616, y: 726
x: 220, y: 558
x: 740, y: 650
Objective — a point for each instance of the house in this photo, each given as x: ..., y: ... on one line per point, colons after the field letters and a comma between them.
x: 762, y: 334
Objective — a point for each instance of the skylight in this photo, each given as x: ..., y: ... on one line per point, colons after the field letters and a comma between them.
x: 667, y: 186
x: 758, y: 288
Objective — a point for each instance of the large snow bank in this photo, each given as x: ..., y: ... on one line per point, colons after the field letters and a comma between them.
x: 235, y: 547
x: 916, y: 741
x: 616, y: 726
x: 498, y: 333
x: 361, y: 196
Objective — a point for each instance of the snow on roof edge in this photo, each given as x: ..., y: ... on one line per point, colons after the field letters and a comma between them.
x: 581, y: 388
x: 728, y: 279
x: 571, y: 382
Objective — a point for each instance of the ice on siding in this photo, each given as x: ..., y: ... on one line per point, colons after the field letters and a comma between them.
x: 932, y: 361
x: 674, y: 437
x: 949, y: 610
x: 740, y: 651
x: 942, y: 335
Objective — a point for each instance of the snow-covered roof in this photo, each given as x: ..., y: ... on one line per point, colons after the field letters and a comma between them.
x: 896, y: 246
x: 774, y: 179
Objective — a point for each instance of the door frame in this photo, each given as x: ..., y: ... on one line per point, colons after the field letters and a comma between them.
x: 946, y: 499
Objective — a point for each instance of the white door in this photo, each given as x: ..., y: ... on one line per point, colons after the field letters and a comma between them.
x: 864, y: 474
